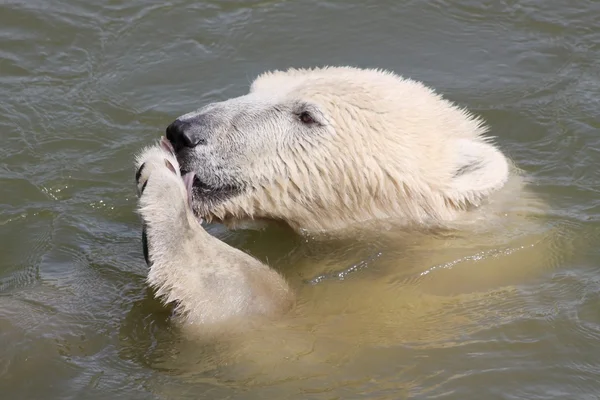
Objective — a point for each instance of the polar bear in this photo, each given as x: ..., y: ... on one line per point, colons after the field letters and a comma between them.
x: 320, y: 149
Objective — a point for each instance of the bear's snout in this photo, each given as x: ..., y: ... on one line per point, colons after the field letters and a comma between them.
x: 184, y: 134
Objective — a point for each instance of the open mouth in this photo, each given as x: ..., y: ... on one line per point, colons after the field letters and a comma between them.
x: 205, y: 191
x: 202, y: 196
x: 196, y: 184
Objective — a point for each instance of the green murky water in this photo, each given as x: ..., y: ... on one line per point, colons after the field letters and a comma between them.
x: 83, y: 85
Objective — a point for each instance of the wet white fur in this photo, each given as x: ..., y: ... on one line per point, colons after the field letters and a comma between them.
x: 386, y: 147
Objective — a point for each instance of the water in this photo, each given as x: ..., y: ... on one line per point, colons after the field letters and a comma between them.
x: 84, y: 85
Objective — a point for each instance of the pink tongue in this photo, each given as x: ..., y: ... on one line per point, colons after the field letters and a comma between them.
x: 188, y: 182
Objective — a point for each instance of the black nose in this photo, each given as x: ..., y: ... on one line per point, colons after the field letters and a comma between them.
x: 181, y: 134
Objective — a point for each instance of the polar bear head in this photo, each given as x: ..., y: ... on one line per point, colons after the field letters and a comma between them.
x: 325, y: 148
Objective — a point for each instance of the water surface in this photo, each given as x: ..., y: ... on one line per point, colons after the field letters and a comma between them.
x: 84, y: 85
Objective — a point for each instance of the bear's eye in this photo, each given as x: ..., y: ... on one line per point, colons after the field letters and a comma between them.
x: 306, y: 118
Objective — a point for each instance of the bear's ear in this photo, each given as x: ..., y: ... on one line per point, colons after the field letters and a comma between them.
x: 479, y: 169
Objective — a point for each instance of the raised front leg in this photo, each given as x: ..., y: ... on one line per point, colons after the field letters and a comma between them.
x: 209, y: 281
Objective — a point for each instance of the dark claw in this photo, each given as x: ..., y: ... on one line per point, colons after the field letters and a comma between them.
x: 145, y: 245
x: 144, y: 187
x: 139, y: 173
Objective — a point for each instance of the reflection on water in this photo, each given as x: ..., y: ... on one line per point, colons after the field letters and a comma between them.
x: 504, y: 309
